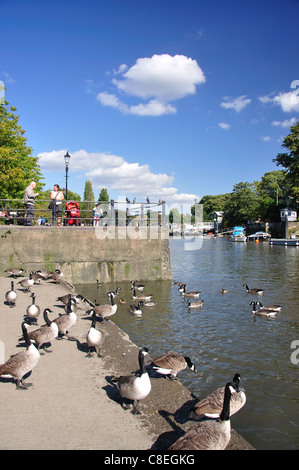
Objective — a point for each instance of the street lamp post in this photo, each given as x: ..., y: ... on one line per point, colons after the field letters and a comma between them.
x: 67, y: 158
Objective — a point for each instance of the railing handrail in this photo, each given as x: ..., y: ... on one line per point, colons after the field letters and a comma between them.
x: 117, y: 210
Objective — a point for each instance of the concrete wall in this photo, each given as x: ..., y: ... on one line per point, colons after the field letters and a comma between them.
x: 84, y: 254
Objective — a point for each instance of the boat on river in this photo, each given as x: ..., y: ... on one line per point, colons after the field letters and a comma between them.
x: 238, y: 235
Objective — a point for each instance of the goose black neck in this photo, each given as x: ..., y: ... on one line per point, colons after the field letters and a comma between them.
x: 94, y: 319
x: 225, y: 413
x: 12, y: 285
x: 33, y: 299
x: 46, y: 318
x: 141, y: 361
x: 25, y: 334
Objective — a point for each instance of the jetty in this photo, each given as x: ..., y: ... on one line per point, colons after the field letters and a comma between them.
x: 284, y: 241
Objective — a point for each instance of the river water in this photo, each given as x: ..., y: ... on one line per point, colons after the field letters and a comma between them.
x: 222, y: 337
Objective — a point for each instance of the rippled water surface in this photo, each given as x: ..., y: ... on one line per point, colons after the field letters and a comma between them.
x: 222, y: 337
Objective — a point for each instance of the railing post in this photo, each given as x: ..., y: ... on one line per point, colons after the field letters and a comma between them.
x: 142, y: 215
x: 163, y: 213
x: 54, y: 212
x: 112, y: 214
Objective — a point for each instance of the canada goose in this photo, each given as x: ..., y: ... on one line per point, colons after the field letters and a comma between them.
x: 149, y: 304
x: 192, y: 294
x: 56, y: 276
x: 253, y: 291
x: 27, y: 283
x: 196, y: 304
x: 98, y: 283
x: 21, y: 363
x: 95, y: 338
x: 15, y: 272
x: 46, y: 333
x: 36, y: 277
x: 211, y: 406
x: 178, y: 283
x: 262, y: 312
x: 276, y: 308
x: 72, y: 304
x: 171, y: 363
x: 142, y: 296
x: 136, y: 310
x: 65, y: 322
x: 65, y: 298
x: 224, y: 291
x: 32, y: 310
x: 139, y: 287
x: 134, y: 387
x: 211, y: 434
x: 103, y: 310
x: 11, y: 295
x: 44, y: 273
x: 114, y: 292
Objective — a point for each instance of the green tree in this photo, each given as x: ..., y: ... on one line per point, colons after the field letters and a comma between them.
x: 290, y: 160
x: 104, y: 196
x: 242, y: 205
x: 273, y: 191
x: 175, y: 216
x: 86, y: 207
x: 211, y: 204
x: 17, y: 165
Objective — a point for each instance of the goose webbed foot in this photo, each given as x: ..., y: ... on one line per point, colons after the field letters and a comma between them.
x: 22, y: 385
x: 135, y: 411
x: 125, y: 405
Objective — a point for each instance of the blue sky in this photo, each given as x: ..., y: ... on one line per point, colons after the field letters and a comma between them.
x: 169, y: 99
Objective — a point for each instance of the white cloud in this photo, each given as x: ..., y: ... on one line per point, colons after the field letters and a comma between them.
x: 286, y: 123
x: 160, y: 79
x: 116, y: 174
x: 237, y: 104
x: 288, y: 101
x: 8, y: 79
x: 265, y: 138
x: 224, y: 125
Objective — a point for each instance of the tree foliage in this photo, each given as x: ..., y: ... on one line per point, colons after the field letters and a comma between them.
x: 290, y: 160
x: 104, y: 196
x: 17, y: 165
x: 242, y: 205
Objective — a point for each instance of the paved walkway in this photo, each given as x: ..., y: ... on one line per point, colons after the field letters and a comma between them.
x: 71, y: 404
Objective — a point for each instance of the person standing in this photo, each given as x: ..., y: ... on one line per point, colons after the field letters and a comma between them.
x: 57, y: 197
x: 29, y: 201
x: 97, y: 214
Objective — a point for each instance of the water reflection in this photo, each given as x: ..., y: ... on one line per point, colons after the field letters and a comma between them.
x: 222, y: 337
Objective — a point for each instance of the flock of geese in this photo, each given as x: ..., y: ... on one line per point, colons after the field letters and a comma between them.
x: 212, y: 414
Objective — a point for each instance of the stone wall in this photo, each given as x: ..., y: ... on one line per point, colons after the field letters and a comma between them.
x: 84, y: 254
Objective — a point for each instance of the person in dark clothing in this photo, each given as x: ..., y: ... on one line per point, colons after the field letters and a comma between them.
x: 29, y: 201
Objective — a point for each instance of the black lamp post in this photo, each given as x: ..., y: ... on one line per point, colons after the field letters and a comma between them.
x: 67, y: 158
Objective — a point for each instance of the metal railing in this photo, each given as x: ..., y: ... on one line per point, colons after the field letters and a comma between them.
x: 75, y: 213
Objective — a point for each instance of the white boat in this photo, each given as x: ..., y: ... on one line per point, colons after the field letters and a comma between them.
x: 238, y: 235
x: 259, y: 236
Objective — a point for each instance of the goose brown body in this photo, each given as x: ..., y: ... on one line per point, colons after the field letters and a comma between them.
x: 211, y: 434
x: 22, y: 363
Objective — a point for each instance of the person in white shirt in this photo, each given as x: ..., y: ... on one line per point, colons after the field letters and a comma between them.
x: 57, y: 197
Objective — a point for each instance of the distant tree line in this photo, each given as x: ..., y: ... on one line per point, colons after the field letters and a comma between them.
x: 260, y: 200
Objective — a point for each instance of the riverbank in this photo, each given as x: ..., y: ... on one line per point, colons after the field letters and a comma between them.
x: 72, y: 405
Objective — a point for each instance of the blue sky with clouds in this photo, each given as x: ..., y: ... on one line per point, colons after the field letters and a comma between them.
x: 168, y: 99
